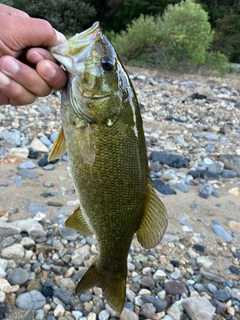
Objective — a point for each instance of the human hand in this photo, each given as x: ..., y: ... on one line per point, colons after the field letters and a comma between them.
x: 27, y: 70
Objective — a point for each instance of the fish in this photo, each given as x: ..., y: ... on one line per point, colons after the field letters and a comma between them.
x: 103, y: 135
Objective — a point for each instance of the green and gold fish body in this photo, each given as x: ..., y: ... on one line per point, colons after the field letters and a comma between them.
x: 103, y: 135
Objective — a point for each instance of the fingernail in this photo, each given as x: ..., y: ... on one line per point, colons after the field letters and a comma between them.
x: 60, y: 37
x: 10, y: 66
x: 35, y: 57
x: 48, y: 70
x: 4, y: 80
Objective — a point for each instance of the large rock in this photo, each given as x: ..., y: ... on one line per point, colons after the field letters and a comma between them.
x: 30, y: 300
x: 31, y: 226
x: 173, y: 160
x: 16, y: 251
x: 231, y: 162
x: 199, y: 308
x: 37, y: 145
x: 11, y: 137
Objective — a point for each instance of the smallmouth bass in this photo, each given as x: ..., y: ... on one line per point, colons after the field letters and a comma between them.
x: 103, y: 135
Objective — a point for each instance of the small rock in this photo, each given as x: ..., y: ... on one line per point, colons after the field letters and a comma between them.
x: 30, y: 300
x: 182, y: 187
x: 205, y: 190
x: 162, y: 187
x: 27, y: 165
x: 37, y: 145
x: 27, y: 173
x: 221, y: 232
x: 147, y: 310
x: 228, y: 174
x: 18, y: 276
x: 147, y: 282
x: 222, y: 295
x: 11, y: 137
x: 59, y: 311
x: 35, y: 208
x: 16, y: 251
x: 175, y: 287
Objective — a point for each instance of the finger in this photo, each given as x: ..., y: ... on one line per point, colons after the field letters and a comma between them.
x: 12, y: 11
x: 34, y: 55
x: 13, y: 93
x: 24, y: 75
x: 55, y: 77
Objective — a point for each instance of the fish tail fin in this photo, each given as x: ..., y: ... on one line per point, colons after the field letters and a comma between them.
x: 112, y: 284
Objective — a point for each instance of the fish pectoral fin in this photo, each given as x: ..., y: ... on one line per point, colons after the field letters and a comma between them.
x: 77, y: 222
x: 112, y: 284
x: 59, y: 147
x: 154, y: 221
x: 86, y: 142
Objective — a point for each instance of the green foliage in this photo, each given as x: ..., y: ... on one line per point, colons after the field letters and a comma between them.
x: 179, y: 40
x: 218, y: 62
x: 227, y: 39
x: 185, y: 34
x: 7, y: 2
x: 120, y: 13
x: 68, y: 16
x: 140, y: 35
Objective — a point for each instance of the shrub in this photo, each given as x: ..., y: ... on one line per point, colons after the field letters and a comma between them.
x: 217, y: 61
x: 185, y: 35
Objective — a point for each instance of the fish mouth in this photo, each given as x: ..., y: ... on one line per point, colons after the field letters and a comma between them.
x: 74, y: 50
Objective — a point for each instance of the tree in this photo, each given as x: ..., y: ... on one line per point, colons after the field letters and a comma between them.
x: 68, y: 16
x: 122, y: 12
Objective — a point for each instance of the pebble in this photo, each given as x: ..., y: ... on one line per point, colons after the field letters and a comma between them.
x: 175, y: 287
x: 147, y: 310
x: 27, y: 165
x: 205, y: 190
x: 68, y: 234
x: 163, y: 188
x: 35, y: 208
x: 27, y: 173
x: 221, y: 232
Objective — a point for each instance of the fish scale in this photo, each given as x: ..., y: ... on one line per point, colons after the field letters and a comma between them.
x: 103, y: 135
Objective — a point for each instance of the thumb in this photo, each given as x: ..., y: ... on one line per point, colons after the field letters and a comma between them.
x: 21, y: 32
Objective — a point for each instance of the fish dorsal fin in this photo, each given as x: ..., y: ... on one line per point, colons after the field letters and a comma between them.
x: 86, y: 142
x: 77, y: 222
x: 59, y: 147
x: 154, y: 221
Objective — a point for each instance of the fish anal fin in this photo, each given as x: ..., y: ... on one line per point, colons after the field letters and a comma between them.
x: 77, y: 222
x: 112, y: 284
x: 154, y: 221
x: 59, y: 147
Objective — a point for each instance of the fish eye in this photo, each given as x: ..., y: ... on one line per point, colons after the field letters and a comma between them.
x: 107, y: 63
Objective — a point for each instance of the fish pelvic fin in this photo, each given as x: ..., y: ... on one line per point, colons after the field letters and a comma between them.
x: 59, y: 147
x: 154, y: 221
x: 112, y: 284
x: 77, y: 222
